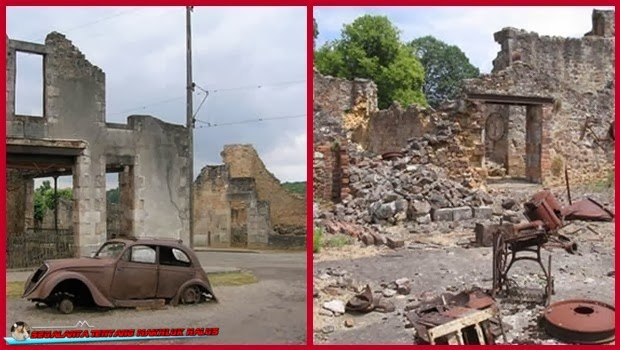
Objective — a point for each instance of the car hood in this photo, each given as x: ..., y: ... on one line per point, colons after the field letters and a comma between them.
x: 77, y: 263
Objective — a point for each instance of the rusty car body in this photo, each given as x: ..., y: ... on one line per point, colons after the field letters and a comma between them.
x: 124, y: 272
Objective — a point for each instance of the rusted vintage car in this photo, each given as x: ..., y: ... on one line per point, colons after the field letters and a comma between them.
x: 122, y: 273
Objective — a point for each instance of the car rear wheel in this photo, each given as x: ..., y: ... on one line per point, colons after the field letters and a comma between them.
x: 191, y: 295
x: 65, y: 305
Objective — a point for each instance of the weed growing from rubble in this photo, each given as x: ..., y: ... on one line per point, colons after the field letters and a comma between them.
x: 316, y: 240
x: 320, y: 240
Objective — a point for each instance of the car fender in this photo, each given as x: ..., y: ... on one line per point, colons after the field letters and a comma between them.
x: 195, y: 281
x: 50, y: 282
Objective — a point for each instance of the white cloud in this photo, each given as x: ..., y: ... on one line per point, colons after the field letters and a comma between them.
x: 286, y: 156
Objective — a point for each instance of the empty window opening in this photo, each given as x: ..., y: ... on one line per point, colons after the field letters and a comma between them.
x: 113, y: 212
x: 53, y: 204
x: 29, y: 85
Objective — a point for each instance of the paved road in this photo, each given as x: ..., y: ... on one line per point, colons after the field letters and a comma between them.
x: 272, y: 311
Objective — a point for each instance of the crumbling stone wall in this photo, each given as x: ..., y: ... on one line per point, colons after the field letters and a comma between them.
x: 212, y: 219
x: 342, y: 110
x: 603, y: 23
x: 587, y: 151
x: 153, y: 153
x: 382, y: 131
x: 240, y: 204
x: 583, y: 69
x: 19, y: 202
x: 287, y: 209
x: 342, y: 106
x: 452, y: 135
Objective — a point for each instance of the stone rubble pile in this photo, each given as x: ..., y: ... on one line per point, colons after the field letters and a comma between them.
x: 408, y: 189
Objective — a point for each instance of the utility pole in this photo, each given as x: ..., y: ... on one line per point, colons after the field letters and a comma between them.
x: 190, y: 125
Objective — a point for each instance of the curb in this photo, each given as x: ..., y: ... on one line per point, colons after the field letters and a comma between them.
x: 224, y: 250
x: 224, y: 272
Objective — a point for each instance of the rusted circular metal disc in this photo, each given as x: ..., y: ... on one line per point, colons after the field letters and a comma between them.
x: 392, y: 155
x: 581, y: 321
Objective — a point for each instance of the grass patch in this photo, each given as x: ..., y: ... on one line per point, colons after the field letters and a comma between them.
x: 232, y: 279
x: 337, y: 241
x: 317, y: 238
x: 15, y: 289
x: 601, y: 185
x: 321, y: 240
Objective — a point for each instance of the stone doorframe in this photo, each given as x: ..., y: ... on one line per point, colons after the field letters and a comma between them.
x: 538, y: 117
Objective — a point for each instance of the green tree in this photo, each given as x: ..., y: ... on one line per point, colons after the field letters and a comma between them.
x: 370, y: 48
x: 45, y: 200
x: 445, y: 68
x: 295, y: 187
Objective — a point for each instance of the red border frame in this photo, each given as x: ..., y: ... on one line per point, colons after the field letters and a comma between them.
x: 309, y: 4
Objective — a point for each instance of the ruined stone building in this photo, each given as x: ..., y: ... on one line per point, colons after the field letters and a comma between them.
x: 548, y: 104
x: 578, y: 74
x: 72, y: 137
x: 241, y: 204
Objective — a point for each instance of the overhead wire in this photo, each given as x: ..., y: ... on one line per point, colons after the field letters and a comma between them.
x: 206, y: 91
x: 247, y: 121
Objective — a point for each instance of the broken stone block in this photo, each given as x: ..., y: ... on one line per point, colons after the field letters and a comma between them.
x: 444, y: 214
x: 401, y: 216
x: 484, y: 234
x: 328, y: 329
x: 508, y: 203
x: 335, y: 306
x: 403, y: 286
x: 483, y: 213
x: 378, y: 239
x: 511, y: 216
x: 424, y: 219
x: 420, y: 207
x: 462, y: 213
x: 394, y: 243
x: 327, y: 313
x: 348, y: 323
x: 368, y: 239
x: 385, y: 211
x: 388, y: 293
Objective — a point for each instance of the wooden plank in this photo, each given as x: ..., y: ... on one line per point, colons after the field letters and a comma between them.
x: 467, y: 320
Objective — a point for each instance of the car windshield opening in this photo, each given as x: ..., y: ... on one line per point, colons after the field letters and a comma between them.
x: 110, y: 250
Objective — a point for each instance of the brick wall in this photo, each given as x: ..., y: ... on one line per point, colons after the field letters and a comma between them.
x: 331, y: 172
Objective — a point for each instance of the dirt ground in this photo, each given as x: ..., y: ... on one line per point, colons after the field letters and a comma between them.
x: 437, y: 263
x: 272, y: 311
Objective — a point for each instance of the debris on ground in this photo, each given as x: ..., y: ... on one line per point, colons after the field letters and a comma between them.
x: 470, y: 317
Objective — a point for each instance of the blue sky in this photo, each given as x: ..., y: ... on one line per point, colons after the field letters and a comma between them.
x: 142, y: 52
x: 470, y: 28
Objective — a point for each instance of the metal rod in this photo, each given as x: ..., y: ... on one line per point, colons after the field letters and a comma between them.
x: 570, y: 200
x: 56, y: 204
x: 190, y: 125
